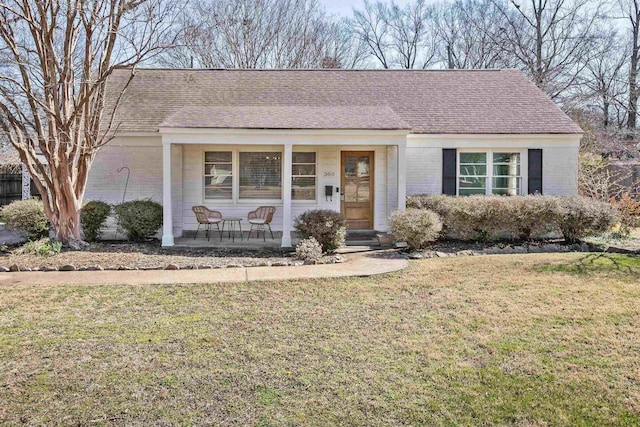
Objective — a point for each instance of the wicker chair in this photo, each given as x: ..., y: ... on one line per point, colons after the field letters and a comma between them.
x: 207, y: 217
x: 260, y: 220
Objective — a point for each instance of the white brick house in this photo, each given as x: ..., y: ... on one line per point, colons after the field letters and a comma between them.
x: 346, y: 140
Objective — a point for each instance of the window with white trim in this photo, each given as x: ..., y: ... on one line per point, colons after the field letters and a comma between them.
x: 303, y: 176
x: 489, y: 172
x: 260, y: 175
x: 218, y: 175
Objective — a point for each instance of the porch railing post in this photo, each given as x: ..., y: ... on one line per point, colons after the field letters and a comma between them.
x: 402, y: 175
x: 167, y: 202
x: 287, y: 224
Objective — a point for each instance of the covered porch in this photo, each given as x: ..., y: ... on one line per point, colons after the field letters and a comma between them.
x: 359, y: 173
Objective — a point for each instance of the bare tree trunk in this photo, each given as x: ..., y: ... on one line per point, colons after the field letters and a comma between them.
x: 632, y: 110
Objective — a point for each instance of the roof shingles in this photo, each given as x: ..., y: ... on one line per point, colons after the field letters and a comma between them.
x: 421, y: 101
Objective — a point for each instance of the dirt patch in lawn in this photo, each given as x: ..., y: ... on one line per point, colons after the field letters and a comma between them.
x: 149, y: 255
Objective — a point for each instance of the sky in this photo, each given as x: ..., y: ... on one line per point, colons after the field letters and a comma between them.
x: 344, y: 7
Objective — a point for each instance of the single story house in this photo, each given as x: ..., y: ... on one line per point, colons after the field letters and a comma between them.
x: 355, y: 141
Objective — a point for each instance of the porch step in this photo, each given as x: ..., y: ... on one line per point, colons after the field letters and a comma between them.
x: 361, y: 238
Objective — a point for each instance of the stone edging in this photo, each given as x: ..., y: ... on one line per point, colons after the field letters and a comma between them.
x: 334, y: 259
x: 508, y: 249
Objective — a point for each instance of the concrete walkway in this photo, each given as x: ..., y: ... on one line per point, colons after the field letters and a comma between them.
x: 357, y: 264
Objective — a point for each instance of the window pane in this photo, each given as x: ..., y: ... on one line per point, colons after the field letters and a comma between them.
x: 471, y: 191
x: 506, y: 158
x: 304, y: 157
x: 473, y: 157
x: 473, y: 182
x: 303, y: 189
x: 218, y: 179
x: 215, y: 170
x: 217, y: 193
x: 260, y: 175
x: 303, y: 170
x: 473, y: 170
x: 217, y: 157
x: 506, y: 170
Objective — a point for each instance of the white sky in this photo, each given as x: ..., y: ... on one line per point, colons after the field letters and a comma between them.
x: 344, y: 7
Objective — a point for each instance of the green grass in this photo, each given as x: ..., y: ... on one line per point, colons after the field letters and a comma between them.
x: 495, y: 340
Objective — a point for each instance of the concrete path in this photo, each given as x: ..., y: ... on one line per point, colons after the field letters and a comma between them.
x: 357, y: 264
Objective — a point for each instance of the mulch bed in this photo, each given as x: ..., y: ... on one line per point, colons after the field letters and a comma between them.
x: 149, y: 256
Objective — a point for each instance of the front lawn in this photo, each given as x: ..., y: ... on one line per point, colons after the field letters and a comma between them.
x: 509, y: 340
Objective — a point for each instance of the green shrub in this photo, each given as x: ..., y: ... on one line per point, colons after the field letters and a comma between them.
x: 41, y: 247
x: 417, y: 227
x: 27, y: 216
x: 329, y: 228
x: 140, y: 219
x: 579, y: 217
x: 308, y: 249
x: 92, y: 217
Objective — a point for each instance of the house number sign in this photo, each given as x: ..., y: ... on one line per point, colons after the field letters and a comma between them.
x: 329, y: 174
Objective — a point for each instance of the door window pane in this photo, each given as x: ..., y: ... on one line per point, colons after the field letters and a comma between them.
x: 218, y: 175
x: 357, y: 179
x: 260, y: 175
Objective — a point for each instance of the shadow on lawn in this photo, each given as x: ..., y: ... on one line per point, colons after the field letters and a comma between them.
x: 597, y: 262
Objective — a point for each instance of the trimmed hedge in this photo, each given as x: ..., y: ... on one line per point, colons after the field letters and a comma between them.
x: 92, y: 217
x: 140, y: 219
x: 487, y: 218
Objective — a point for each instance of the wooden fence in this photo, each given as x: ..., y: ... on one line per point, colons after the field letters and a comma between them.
x: 10, y: 187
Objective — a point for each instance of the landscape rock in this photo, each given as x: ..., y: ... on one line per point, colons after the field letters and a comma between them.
x: 4, y: 270
x: 67, y: 267
x: 48, y: 268
x: 172, y: 267
x: 310, y: 262
x: 441, y: 254
x: 14, y: 268
x: 234, y: 266
x: 95, y: 268
x: 415, y: 255
x: 280, y: 264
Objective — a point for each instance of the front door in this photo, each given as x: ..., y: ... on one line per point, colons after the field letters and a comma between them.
x: 356, y: 201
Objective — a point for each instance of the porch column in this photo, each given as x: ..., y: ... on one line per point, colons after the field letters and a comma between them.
x: 402, y: 175
x: 167, y: 214
x: 287, y: 224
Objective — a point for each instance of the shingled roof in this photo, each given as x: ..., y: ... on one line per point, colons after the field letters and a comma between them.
x: 420, y: 101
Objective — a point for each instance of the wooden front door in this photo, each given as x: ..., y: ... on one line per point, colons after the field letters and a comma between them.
x: 356, y: 201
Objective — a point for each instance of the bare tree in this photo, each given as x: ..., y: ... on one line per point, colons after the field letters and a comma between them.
x: 55, y: 59
x: 398, y: 36
x: 552, y: 40
x: 466, y: 31
x: 631, y: 11
x: 604, y: 77
x: 262, y: 34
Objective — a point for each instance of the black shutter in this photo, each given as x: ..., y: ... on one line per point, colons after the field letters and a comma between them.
x: 449, y: 169
x: 535, y: 171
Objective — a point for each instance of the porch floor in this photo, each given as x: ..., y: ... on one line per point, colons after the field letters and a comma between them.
x: 254, y: 243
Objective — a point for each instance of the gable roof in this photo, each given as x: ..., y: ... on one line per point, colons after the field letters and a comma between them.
x: 421, y: 101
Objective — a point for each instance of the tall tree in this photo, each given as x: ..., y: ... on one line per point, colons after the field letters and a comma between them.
x: 397, y: 36
x: 552, y: 40
x: 262, y: 34
x: 56, y: 56
x: 631, y: 12
x: 605, y: 77
x: 465, y: 30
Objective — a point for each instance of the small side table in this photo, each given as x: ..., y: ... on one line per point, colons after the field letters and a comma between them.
x: 230, y: 223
